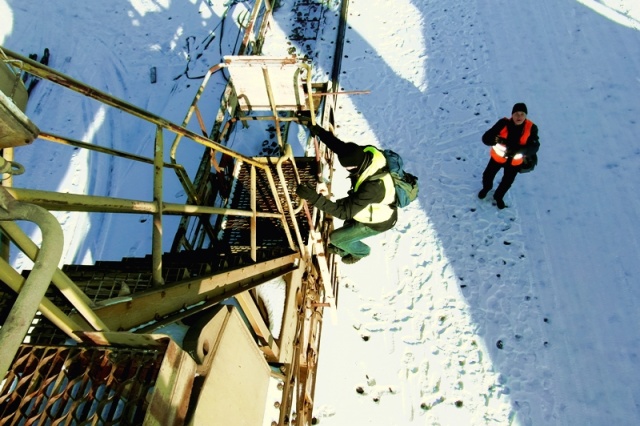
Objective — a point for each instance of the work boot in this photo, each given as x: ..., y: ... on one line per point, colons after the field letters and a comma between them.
x: 331, y: 249
x: 350, y: 259
x: 483, y: 193
x: 500, y: 203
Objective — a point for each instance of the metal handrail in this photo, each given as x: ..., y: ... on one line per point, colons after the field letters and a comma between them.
x: 17, y: 324
x: 222, y: 129
x: 47, y: 73
x: 68, y: 288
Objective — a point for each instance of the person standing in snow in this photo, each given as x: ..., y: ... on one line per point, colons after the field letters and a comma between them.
x: 369, y: 207
x: 511, y: 141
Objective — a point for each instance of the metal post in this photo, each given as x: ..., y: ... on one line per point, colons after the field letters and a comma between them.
x: 254, y: 217
x: 274, y: 108
x: 16, y: 282
x: 68, y: 288
x: 156, y: 238
x: 18, y: 322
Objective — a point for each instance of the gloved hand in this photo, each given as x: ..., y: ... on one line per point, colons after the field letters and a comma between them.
x: 304, y: 117
x: 513, y: 152
x: 316, y: 129
x: 307, y: 193
x: 500, y: 141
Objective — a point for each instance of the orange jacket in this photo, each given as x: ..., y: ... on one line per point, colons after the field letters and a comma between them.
x: 498, y: 151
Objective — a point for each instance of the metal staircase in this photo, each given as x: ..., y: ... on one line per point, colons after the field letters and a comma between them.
x: 88, y: 343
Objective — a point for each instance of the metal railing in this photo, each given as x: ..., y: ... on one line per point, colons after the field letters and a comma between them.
x: 308, y: 320
x: 157, y: 207
x: 17, y: 201
x: 32, y: 290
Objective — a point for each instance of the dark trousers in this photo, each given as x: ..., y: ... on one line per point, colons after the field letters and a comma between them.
x: 347, y: 239
x: 509, y: 175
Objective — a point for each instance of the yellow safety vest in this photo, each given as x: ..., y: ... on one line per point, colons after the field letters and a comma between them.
x: 382, y: 211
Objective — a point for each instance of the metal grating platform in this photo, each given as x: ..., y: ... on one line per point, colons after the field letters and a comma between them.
x: 74, y: 385
x: 270, y: 234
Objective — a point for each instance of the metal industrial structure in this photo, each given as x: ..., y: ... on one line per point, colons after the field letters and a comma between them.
x: 83, y: 344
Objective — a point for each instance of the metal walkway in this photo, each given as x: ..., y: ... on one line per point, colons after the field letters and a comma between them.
x: 84, y: 344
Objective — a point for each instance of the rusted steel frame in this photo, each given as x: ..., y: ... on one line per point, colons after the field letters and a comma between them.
x: 254, y: 218
x: 222, y: 135
x: 307, y: 357
x: 194, y: 309
x: 264, y: 118
x: 264, y: 26
x: 292, y: 306
x: 114, y: 152
x: 344, y: 92
x: 312, y: 108
x: 274, y: 192
x: 169, y: 401
x: 300, y: 349
x: 16, y: 282
x: 201, y: 122
x: 123, y: 338
x: 288, y: 156
x: 312, y: 390
x: 309, y: 363
x: 289, y: 387
x: 140, y: 308
x: 293, y: 377
x: 216, y: 132
x: 182, y: 175
x: 81, y: 203
x: 227, y: 126
x: 196, y: 210
x: 315, y: 287
x: 156, y: 235
x: 40, y: 70
x: 8, y: 156
x: 340, y: 38
x: 18, y: 322
x: 68, y: 288
x: 194, y: 102
x: 216, y: 146
x: 272, y: 103
x: 299, y: 96
x: 289, y: 338
x: 85, y: 203
x: 249, y: 308
x: 321, y: 227
x: 305, y: 341
x: 248, y: 34
x: 317, y: 245
x: 276, y: 199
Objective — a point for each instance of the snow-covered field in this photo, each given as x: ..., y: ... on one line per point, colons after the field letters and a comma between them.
x: 464, y: 314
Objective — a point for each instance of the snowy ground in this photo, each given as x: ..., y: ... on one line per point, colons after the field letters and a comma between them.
x: 464, y: 314
x: 467, y: 314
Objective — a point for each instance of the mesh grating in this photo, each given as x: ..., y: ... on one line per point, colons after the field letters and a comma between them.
x: 74, y: 385
x: 270, y: 232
